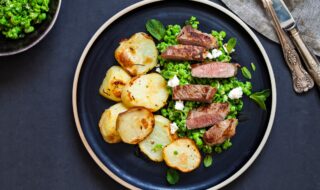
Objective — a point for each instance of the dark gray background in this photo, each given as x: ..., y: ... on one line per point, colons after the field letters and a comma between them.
x: 41, y: 149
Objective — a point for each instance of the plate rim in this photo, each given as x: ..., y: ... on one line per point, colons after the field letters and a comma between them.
x: 130, y: 8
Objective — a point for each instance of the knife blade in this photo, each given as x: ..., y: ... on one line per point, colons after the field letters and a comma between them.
x: 288, y: 23
x: 283, y: 14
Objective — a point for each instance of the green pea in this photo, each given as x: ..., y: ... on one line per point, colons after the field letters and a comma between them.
x: 29, y: 29
x: 199, y: 142
x: 223, y: 34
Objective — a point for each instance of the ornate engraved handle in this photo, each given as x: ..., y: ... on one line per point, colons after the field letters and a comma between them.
x: 310, y: 60
x: 302, y: 81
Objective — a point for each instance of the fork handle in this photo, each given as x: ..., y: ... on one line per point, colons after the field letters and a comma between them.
x: 310, y: 60
x: 302, y: 81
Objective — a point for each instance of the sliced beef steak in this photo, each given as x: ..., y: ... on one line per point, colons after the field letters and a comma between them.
x: 220, y: 132
x: 191, y: 36
x: 185, y: 53
x: 214, y: 70
x: 191, y: 92
x: 205, y: 116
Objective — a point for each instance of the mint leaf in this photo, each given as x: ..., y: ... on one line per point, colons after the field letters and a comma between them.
x: 245, y: 72
x: 260, y: 98
x: 253, y: 66
x: 231, y: 44
x: 156, y: 29
x: 207, y: 162
x: 172, y: 176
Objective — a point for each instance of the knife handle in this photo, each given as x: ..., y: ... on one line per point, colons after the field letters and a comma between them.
x: 310, y: 60
x: 302, y: 81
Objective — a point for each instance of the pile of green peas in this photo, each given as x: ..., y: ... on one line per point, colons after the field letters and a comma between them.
x: 19, y: 17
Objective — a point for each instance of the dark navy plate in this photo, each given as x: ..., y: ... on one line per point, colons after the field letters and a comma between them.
x: 121, y: 161
x: 11, y: 47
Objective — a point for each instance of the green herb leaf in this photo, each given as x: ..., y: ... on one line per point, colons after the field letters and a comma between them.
x: 245, y: 72
x: 175, y: 152
x: 156, y: 29
x: 231, y: 44
x: 253, y: 66
x: 157, y: 147
x: 172, y: 176
x: 207, y: 162
x: 260, y: 98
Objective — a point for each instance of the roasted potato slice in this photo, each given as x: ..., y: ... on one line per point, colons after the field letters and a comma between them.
x: 107, y: 123
x: 182, y: 154
x: 112, y: 85
x: 135, y: 125
x: 137, y: 55
x: 160, y: 137
x: 149, y: 91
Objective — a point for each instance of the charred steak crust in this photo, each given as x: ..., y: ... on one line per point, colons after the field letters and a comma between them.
x: 192, y: 92
x: 220, y: 132
x: 209, y: 115
x: 214, y: 70
x: 185, y: 53
x: 191, y: 36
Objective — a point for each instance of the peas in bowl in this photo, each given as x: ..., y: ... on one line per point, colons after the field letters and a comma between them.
x: 23, y: 23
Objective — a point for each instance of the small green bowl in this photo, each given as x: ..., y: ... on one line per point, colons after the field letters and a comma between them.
x: 11, y: 47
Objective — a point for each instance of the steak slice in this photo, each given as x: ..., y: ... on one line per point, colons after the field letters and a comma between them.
x: 191, y: 36
x: 220, y: 132
x: 214, y: 70
x: 185, y: 53
x: 191, y: 92
x: 205, y: 116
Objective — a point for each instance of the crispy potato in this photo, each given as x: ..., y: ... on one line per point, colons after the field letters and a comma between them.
x: 135, y: 125
x: 182, y: 154
x: 137, y: 55
x: 160, y: 137
x: 149, y: 91
x: 112, y: 85
x: 107, y: 123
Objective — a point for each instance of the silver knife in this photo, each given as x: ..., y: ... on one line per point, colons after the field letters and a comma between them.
x: 288, y: 24
x: 301, y: 79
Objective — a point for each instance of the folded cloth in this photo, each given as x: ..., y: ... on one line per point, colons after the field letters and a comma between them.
x: 305, y: 12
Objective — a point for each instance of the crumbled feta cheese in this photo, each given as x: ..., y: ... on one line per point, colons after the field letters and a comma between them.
x: 216, y: 53
x: 173, y: 128
x: 235, y: 93
x: 158, y: 70
x: 209, y: 55
x: 225, y: 49
x: 179, y: 105
x: 174, y: 81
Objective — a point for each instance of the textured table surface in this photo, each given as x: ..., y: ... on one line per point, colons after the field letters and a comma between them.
x: 41, y: 149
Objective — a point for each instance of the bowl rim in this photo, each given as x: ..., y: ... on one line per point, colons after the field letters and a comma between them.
x: 47, y: 30
x: 143, y: 3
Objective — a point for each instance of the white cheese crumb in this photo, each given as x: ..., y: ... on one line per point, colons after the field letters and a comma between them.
x: 173, y: 128
x: 216, y: 53
x: 174, y: 81
x: 235, y: 93
x: 209, y: 55
x: 179, y: 105
x: 225, y: 49
x: 158, y: 70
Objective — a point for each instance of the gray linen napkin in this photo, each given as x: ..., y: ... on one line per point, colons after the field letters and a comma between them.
x: 305, y: 12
